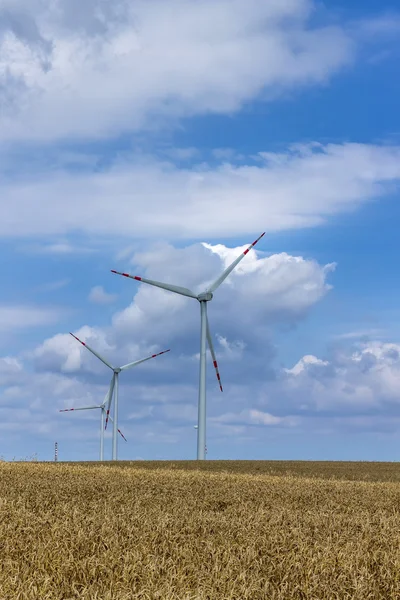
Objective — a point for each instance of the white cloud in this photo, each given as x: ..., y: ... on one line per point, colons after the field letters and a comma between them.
x: 254, y: 417
x: 303, y: 187
x: 331, y: 401
x: 14, y: 317
x: 61, y: 350
x: 60, y: 248
x: 159, y: 399
x: 159, y: 60
x: 157, y: 320
x: 64, y: 353
x: 10, y: 364
x: 10, y: 369
x: 98, y: 295
x: 52, y: 286
x: 365, y: 379
x: 232, y: 350
x: 266, y: 291
x: 304, y: 363
x: 373, y: 333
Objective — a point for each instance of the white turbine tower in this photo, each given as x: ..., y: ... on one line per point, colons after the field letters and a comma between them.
x: 102, y: 417
x: 113, y: 390
x: 205, y: 336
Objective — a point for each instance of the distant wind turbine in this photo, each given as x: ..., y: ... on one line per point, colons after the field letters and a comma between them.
x: 205, y: 336
x: 102, y: 418
x: 113, y: 389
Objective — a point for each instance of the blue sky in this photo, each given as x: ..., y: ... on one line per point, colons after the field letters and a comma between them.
x: 129, y: 139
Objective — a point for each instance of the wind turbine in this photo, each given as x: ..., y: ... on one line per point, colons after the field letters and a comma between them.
x: 205, y: 336
x: 103, y: 412
x: 113, y: 389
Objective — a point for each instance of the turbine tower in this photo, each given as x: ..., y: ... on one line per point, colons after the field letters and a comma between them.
x: 102, y: 419
x: 113, y: 389
x: 205, y: 336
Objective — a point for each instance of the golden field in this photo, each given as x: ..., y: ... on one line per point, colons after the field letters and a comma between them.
x: 183, y: 530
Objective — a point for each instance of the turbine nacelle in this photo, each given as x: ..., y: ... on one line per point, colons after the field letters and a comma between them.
x: 205, y: 297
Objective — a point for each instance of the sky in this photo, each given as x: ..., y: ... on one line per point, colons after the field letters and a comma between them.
x: 161, y: 138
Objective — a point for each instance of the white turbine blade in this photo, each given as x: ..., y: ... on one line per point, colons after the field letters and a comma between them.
x: 214, y: 358
x: 81, y: 408
x: 105, y: 398
x: 225, y: 274
x: 103, y: 360
x: 137, y: 362
x: 110, y: 395
x: 119, y: 431
x: 165, y: 286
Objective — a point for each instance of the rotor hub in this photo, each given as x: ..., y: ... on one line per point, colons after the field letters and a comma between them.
x: 117, y: 370
x: 205, y: 297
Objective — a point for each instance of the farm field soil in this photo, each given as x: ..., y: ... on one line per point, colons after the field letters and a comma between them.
x: 217, y: 530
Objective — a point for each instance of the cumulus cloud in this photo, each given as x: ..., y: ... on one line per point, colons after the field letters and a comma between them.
x: 65, y: 354
x: 262, y: 292
x: 62, y: 353
x: 160, y: 60
x: 359, y: 381
x: 302, y: 187
x: 356, y: 391
x: 98, y: 295
x: 164, y: 390
x: 305, y: 364
x: 346, y: 390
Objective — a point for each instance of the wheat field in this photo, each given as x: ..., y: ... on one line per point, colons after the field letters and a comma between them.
x: 190, y: 531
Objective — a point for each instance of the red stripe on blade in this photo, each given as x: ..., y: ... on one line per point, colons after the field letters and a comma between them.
x: 258, y: 239
x: 137, y: 278
x: 80, y: 341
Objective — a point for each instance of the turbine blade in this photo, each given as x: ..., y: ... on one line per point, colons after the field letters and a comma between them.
x: 103, y: 360
x: 165, y: 286
x: 119, y: 431
x: 225, y: 274
x: 137, y: 362
x: 81, y: 408
x: 214, y: 358
x: 110, y: 395
x: 102, y: 405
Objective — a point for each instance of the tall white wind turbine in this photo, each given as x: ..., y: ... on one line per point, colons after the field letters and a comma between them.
x: 102, y: 419
x: 205, y: 336
x: 113, y: 390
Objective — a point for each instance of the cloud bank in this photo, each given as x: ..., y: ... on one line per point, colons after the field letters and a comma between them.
x: 302, y: 187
